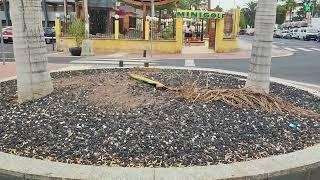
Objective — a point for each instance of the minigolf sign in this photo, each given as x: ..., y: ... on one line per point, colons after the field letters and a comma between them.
x: 199, y: 14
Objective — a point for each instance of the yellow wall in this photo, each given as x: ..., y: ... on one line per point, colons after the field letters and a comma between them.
x: 224, y: 45
x: 136, y: 46
x: 169, y: 47
x: 179, y: 34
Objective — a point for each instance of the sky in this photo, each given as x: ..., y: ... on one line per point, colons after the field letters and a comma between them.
x: 228, y: 4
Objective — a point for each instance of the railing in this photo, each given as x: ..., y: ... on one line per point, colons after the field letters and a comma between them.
x: 106, y: 35
x: 167, y: 31
x: 132, y: 34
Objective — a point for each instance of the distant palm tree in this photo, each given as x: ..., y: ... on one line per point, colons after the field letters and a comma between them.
x: 189, y: 4
x: 33, y: 77
x: 260, y: 64
x: 291, y: 6
x: 250, y: 12
x: 218, y: 8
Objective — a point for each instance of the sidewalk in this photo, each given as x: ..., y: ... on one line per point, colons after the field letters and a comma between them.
x: 196, y: 52
x: 9, y: 70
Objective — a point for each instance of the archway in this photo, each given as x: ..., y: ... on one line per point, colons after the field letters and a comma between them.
x: 208, y: 23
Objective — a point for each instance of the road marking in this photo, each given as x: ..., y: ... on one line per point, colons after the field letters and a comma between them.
x: 189, y: 63
x: 290, y: 49
x: 304, y: 49
x: 316, y: 49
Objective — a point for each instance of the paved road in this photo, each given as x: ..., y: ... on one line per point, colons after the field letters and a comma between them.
x: 8, y: 50
x: 303, y: 66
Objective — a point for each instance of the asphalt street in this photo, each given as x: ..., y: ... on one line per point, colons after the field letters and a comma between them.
x: 302, y: 66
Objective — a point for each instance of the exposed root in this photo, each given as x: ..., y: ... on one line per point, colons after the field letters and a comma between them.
x: 240, y: 98
x: 244, y: 98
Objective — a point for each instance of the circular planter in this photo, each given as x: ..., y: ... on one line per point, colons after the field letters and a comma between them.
x: 304, y: 164
x: 76, y: 51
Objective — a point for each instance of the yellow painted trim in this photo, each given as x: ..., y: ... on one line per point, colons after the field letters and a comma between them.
x: 147, y: 31
x: 224, y: 45
x: 179, y: 33
x: 116, y: 29
x: 57, y: 26
x: 129, y: 46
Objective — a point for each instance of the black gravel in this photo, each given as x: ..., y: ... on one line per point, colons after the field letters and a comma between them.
x: 65, y: 127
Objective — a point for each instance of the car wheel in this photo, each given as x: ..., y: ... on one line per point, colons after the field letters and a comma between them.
x: 6, y: 41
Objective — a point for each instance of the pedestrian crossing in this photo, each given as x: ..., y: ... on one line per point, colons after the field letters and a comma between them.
x: 302, y: 49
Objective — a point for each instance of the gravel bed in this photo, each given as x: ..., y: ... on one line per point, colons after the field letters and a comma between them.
x: 101, y: 117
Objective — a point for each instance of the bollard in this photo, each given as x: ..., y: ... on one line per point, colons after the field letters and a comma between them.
x: 144, y: 53
x: 121, y: 64
x: 52, y: 43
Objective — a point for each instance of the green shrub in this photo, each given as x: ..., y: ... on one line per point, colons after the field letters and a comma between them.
x: 167, y: 33
x: 77, y: 30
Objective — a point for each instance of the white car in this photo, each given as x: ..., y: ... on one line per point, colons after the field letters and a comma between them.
x: 307, y: 34
x: 285, y: 34
x: 295, y: 33
x: 277, y: 33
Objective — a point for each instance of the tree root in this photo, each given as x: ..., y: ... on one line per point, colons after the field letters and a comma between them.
x: 240, y: 98
x: 244, y: 98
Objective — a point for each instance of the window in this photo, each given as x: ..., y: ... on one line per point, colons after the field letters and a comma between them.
x: 132, y: 22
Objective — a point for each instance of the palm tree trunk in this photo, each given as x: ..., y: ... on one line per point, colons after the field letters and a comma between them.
x: 33, y: 78
x: 5, y: 6
x: 76, y: 8
x: 45, y: 11
x: 260, y: 64
x: 159, y: 22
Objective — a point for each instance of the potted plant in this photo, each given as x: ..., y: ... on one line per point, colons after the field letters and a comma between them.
x: 77, y: 31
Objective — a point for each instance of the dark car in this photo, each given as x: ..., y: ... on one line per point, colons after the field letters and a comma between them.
x: 49, y: 35
x: 319, y: 36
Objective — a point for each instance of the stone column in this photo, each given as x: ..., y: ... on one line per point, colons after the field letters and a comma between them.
x: 116, y: 27
x: 57, y: 26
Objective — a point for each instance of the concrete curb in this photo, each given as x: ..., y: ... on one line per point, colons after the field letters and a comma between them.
x: 299, y: 165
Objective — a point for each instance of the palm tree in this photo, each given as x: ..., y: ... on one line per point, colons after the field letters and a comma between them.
x: 33, y: 78
x: 291, y: 5
x: 258, y: 79
x: 249, y: 13
x: 218, y: 8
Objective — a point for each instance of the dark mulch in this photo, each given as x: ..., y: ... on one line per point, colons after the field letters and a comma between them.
x: 84, y: 121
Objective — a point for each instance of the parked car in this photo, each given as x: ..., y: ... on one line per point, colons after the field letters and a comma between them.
x: 277, y: 33
x: 250, y: 32
x: 285, y: 34
x: 7, y: 34
x: 49, y: 35
x: 308, y: 34
x: 295, y: 34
